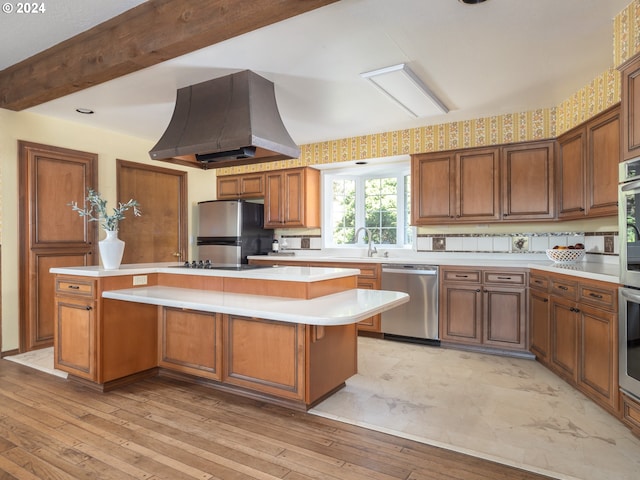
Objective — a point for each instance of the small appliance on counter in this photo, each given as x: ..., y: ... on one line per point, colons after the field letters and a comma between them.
x: 231, y: 230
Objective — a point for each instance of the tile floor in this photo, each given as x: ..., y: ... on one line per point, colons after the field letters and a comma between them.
x: 509, y: 410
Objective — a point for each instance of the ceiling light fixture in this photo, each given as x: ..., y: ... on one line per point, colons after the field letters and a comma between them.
x: 407, y: 90
x: 472, y: 2
x: 84, y: 111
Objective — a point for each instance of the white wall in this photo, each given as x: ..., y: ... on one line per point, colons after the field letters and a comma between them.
x: 108, y: 145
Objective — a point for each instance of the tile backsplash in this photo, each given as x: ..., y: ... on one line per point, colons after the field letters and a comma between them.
x: 603, y: 243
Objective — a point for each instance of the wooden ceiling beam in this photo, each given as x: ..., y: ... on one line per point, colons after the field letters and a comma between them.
x: 151, y: 33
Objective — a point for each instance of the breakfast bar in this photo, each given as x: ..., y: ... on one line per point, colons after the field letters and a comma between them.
x: 285, y: 335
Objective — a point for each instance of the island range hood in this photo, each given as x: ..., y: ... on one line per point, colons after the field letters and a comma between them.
x: 227, y: 121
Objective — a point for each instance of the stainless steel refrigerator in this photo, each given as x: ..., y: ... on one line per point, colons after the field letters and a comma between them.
x: 231, y: 230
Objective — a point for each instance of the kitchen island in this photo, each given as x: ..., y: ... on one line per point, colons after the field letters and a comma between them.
x: 285, y: 335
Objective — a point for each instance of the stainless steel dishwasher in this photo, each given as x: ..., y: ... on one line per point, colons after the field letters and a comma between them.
x: 416, y: 320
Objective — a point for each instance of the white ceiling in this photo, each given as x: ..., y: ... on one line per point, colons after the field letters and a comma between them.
x: 503, y: 56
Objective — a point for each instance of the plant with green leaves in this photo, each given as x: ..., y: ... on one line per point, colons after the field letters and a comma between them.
x: 95, y: 210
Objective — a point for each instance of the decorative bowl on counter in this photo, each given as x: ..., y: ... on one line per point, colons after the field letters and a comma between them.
x: 568, y: 255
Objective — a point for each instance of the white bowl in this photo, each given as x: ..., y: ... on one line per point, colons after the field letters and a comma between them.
x: 569, y: 255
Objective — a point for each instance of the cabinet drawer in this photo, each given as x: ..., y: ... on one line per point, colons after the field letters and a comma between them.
x: 631, y: 413
x: 539, y: 282
x: 505, y: 277
x: 68, y: 286
x: 599, y: 296
x: 564, y: 288
x: 466, y: 276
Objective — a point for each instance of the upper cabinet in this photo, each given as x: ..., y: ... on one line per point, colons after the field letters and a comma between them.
x: 292, y: 198
x: 248, y: 185
x: 528, y: 187
x: 587, y: 173
x: 630, y: 73
x: 477, y: 185
x: 455, y: 186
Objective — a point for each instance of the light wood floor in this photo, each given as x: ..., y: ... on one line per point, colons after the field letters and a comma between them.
x: 163, y: 428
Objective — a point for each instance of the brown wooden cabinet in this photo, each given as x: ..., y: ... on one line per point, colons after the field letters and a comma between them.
x: 95, y: 338
x: 509, y: 183
x: 248, y: 185
x: 539, y: 314
x: 292, y: 198
x: 75, y: 333
x: 582, y: 333
x: 191, y: 342
x: 587, y: 172
x: 456, y: 186
x: 528, y: 181
x: 630, y: 73
x: 483, y: 307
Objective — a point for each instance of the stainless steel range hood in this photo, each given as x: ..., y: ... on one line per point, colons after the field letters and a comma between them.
x: 227, y: 121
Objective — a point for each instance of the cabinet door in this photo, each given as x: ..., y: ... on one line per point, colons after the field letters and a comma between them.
x: 603, y: 157
x: 75, y: 337
x: 571, y: 174
x: 539, y: 324
x: 461, y: 314
x: 504, y: 317
x: 478, y: 185
x: 273, y: 200
x: 598, y: 367
x: 191, y: 342
x: 630, y: 106
x: 293, y: 197
x: 564, y: 337
x: 228, y: 188
x: 433, y: 188
x: 266, y: 356
x: 528, y: 189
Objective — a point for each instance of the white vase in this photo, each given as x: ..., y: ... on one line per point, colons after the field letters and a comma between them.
x: 111, y: 250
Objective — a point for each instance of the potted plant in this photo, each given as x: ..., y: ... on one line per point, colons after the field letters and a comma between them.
x: 95, y: 210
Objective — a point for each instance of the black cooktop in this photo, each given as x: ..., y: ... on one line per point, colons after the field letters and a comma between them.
x: 208, y: 265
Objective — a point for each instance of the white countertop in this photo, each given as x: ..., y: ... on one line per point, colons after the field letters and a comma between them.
x: 594, y: 268
x: 341, y: 308
x: 291, y: 274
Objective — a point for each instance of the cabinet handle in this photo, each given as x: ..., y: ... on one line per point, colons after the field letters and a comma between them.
x: 462, y: 276
x: 545, y: 300
x: 539, y: 282
x: 572, y: 309
x: 87, y: 307
x: 595, y: 295
x: 478, y: 290
x: 562, y: 287
x: 504, y: 278
x: 74, y: 287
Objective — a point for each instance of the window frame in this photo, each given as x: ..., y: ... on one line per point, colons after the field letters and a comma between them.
x: 360, y: 175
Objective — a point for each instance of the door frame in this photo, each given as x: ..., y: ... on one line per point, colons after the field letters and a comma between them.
x: 183, y: 233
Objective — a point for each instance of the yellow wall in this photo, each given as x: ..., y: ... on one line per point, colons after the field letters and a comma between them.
x: 108, y: 145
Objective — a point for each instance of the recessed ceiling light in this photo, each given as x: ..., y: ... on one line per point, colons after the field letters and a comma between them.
x: 85, y: 111
x: 472, y: 2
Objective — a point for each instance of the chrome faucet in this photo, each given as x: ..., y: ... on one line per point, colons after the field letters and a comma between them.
x: 372, y: 248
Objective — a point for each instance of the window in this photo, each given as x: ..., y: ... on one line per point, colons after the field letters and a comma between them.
x: 377, y: 200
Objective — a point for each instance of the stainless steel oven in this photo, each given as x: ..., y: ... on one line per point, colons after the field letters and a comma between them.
x: 629, y: 340
x: 629, y: 222
x: 629, y: 294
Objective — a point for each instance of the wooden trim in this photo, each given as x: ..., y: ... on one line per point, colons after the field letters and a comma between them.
x: 151, y: 33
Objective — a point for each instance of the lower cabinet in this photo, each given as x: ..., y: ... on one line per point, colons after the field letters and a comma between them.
x: 575, y: 333
x: 75, y: 336
x: 483, y: 307
x: 190, y: 342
